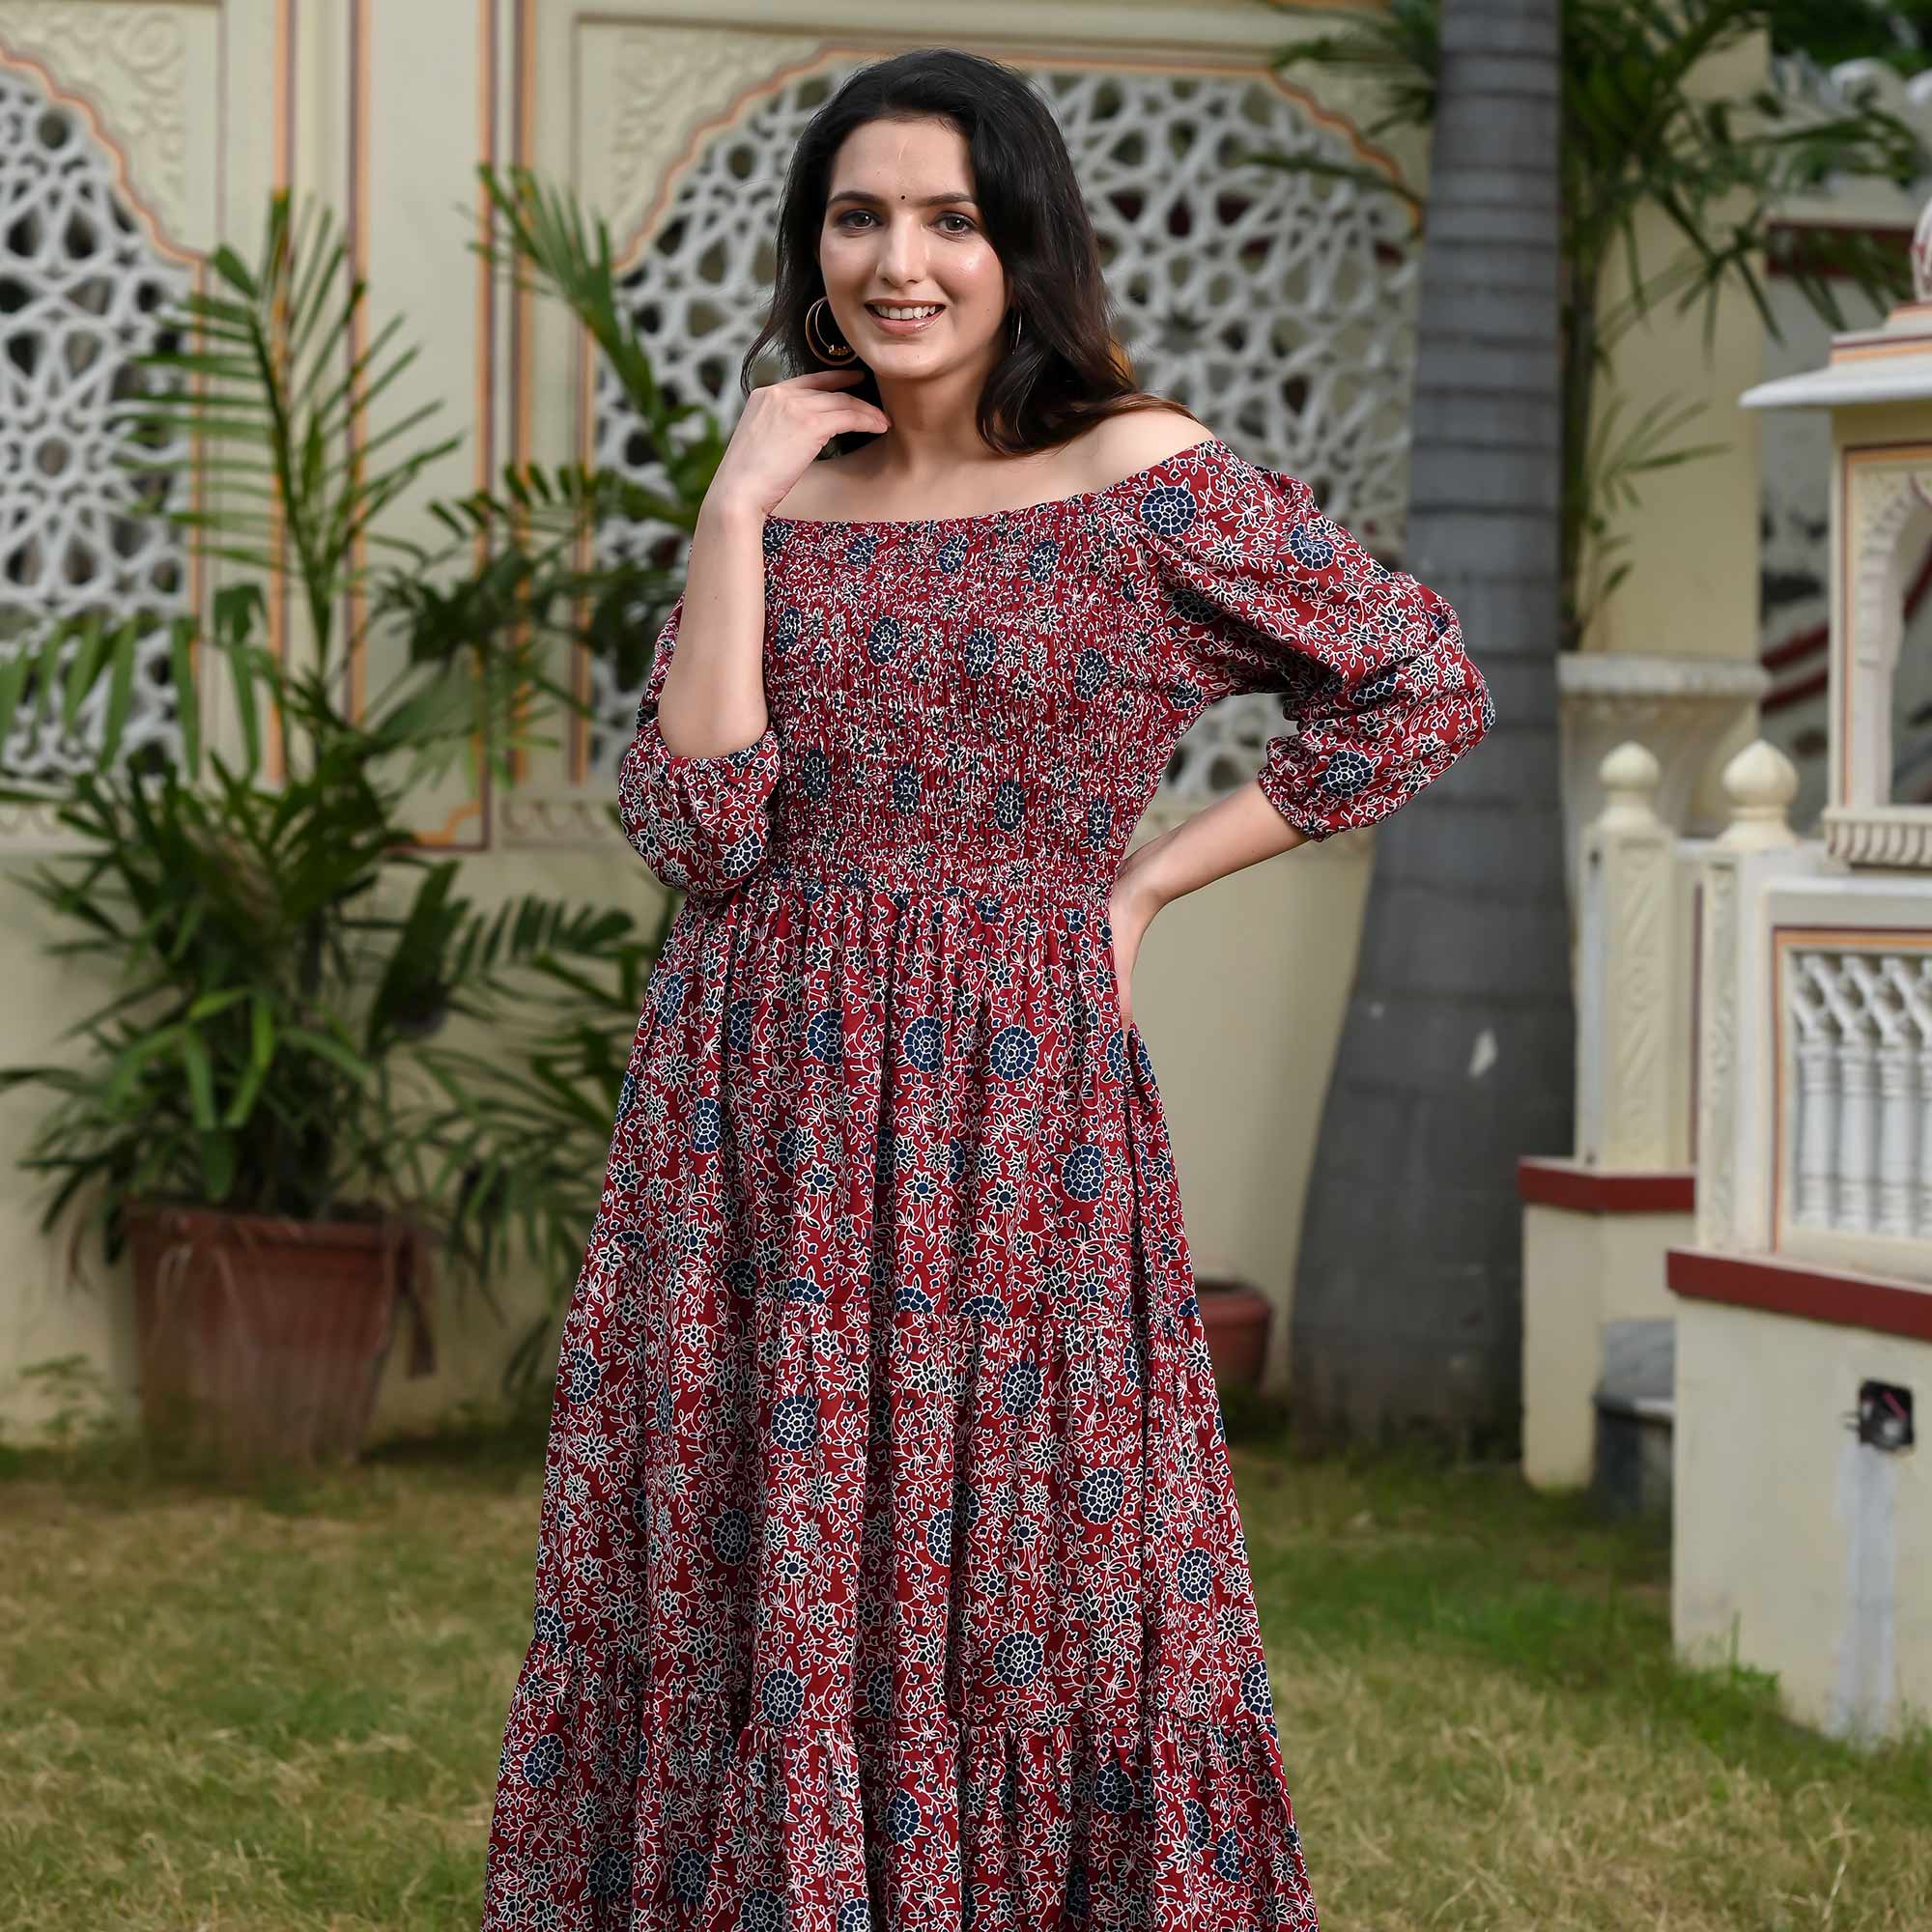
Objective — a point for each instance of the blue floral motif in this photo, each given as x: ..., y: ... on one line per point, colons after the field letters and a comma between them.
x: 1020, y: 1386
x: 922, y: 1044
x: 903, y: 1817
x: 731, y: 1536
x: 1017, y: 1658
x: 1228, y: 1854
x: 1309, y: 545
x: 939, y: 1536
x: 788, y: 629
x: 762, y: 1910
x: 1099, y: 821
x: 668, y: 987
x: 1079, y: 1900
x: 1347, y: 771
x: 812, y: 773
x: 608, y: 1877
x: 1168, y: 509
x: 782, y: 1696
x: 1200, y: 1826
x: 905, y: 787
x: 979, y: 652
x: 795, y: 1422
x: 1090, y: 672
x: 543, y: 1760
x: 1014, y: 1053
x: 585, y: 1375
x: 1101, y: 1493
x: 954, y: 553
x: 1255, y: 1692
x: 1115, y: 1790
x: 689, y: 1877
x: 738, y: 1017
x: 1083, y: 1173
x: 1194, y: 1575
x: 1009, y: 805
x: 825, y: 1036
x: 548, y: 1627
x: 882, y: 642
x: 706, y: 1125
x: 1041, y: 560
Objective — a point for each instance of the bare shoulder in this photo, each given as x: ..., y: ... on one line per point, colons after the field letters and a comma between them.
x: 1134, y: 440
x: 816, y: 493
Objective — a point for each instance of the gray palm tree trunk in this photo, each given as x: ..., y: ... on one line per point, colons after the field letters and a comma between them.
x: 1457, y: 1051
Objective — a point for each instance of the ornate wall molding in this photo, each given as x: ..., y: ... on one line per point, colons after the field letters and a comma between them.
x: 1884, y: 522
x: 127, y: 67
x: 1717, y: 1055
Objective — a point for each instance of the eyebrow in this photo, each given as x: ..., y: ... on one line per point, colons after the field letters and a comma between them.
x: 880, y: 200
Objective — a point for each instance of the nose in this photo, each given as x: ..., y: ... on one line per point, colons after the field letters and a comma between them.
x: 903, y: 248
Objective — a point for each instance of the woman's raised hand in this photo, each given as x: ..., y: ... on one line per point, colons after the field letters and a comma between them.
x: 782, y: 429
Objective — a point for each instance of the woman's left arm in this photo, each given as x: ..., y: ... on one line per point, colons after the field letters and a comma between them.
x: 1264, y: 593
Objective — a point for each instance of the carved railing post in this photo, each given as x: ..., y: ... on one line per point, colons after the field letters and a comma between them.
x: 1733, y: 1087
x: 1625, y: 991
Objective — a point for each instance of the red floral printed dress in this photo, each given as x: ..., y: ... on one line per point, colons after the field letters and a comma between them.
x: 889, y: 1575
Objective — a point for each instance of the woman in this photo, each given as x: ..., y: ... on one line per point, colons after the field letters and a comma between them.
x: 889, y: 1571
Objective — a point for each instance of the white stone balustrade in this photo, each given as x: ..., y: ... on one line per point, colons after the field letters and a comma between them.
x: 1633, y: 1002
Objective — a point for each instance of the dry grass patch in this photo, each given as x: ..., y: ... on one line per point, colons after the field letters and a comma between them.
x: 280, y: 1712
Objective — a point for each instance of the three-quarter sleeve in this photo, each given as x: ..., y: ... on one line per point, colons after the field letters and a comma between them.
x: 1264, y: 593
x: 699, y: 822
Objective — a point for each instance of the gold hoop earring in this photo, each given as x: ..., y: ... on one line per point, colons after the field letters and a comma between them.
x: 842, y: 351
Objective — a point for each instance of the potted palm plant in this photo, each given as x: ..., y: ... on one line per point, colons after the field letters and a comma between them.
x: 258, y: 1114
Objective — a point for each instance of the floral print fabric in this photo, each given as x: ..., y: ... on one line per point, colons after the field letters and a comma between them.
x: 890, y: 1576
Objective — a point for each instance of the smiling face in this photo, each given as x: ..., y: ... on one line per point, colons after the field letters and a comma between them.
x: 902, y: 231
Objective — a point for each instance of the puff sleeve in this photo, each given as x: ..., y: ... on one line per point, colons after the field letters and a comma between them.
x: 699, y: 822
x: 1264, y: 593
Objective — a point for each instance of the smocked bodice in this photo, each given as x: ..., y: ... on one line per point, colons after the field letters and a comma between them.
x: 985, y: 704
x: 981, y: 703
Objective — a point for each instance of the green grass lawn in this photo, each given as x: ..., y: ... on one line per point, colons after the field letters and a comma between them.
x: 280, y: 1711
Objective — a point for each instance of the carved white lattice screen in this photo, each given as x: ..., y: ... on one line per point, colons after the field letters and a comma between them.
x: 80, y: 289
x: 1278, y: 306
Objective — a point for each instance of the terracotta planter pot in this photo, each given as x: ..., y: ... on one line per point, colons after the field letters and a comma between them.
x: 259, y: 1336
x: 1236, y: 1315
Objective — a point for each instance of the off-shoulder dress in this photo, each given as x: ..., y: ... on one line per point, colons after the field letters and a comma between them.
x: 889, y: 1573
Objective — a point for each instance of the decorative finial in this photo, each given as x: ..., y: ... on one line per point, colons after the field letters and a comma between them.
x: 1761, y: 782
x: 1630, y: 775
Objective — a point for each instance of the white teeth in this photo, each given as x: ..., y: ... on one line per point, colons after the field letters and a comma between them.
x: 904, y: 314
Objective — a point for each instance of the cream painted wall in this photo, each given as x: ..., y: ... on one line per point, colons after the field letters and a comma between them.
x: 1805, y: 1552
x: 1580, y: 1273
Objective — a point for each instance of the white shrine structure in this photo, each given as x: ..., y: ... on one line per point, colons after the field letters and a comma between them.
x: 1731, y: 1280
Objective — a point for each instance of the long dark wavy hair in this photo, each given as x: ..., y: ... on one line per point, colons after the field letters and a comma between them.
x: 1067, y: 370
